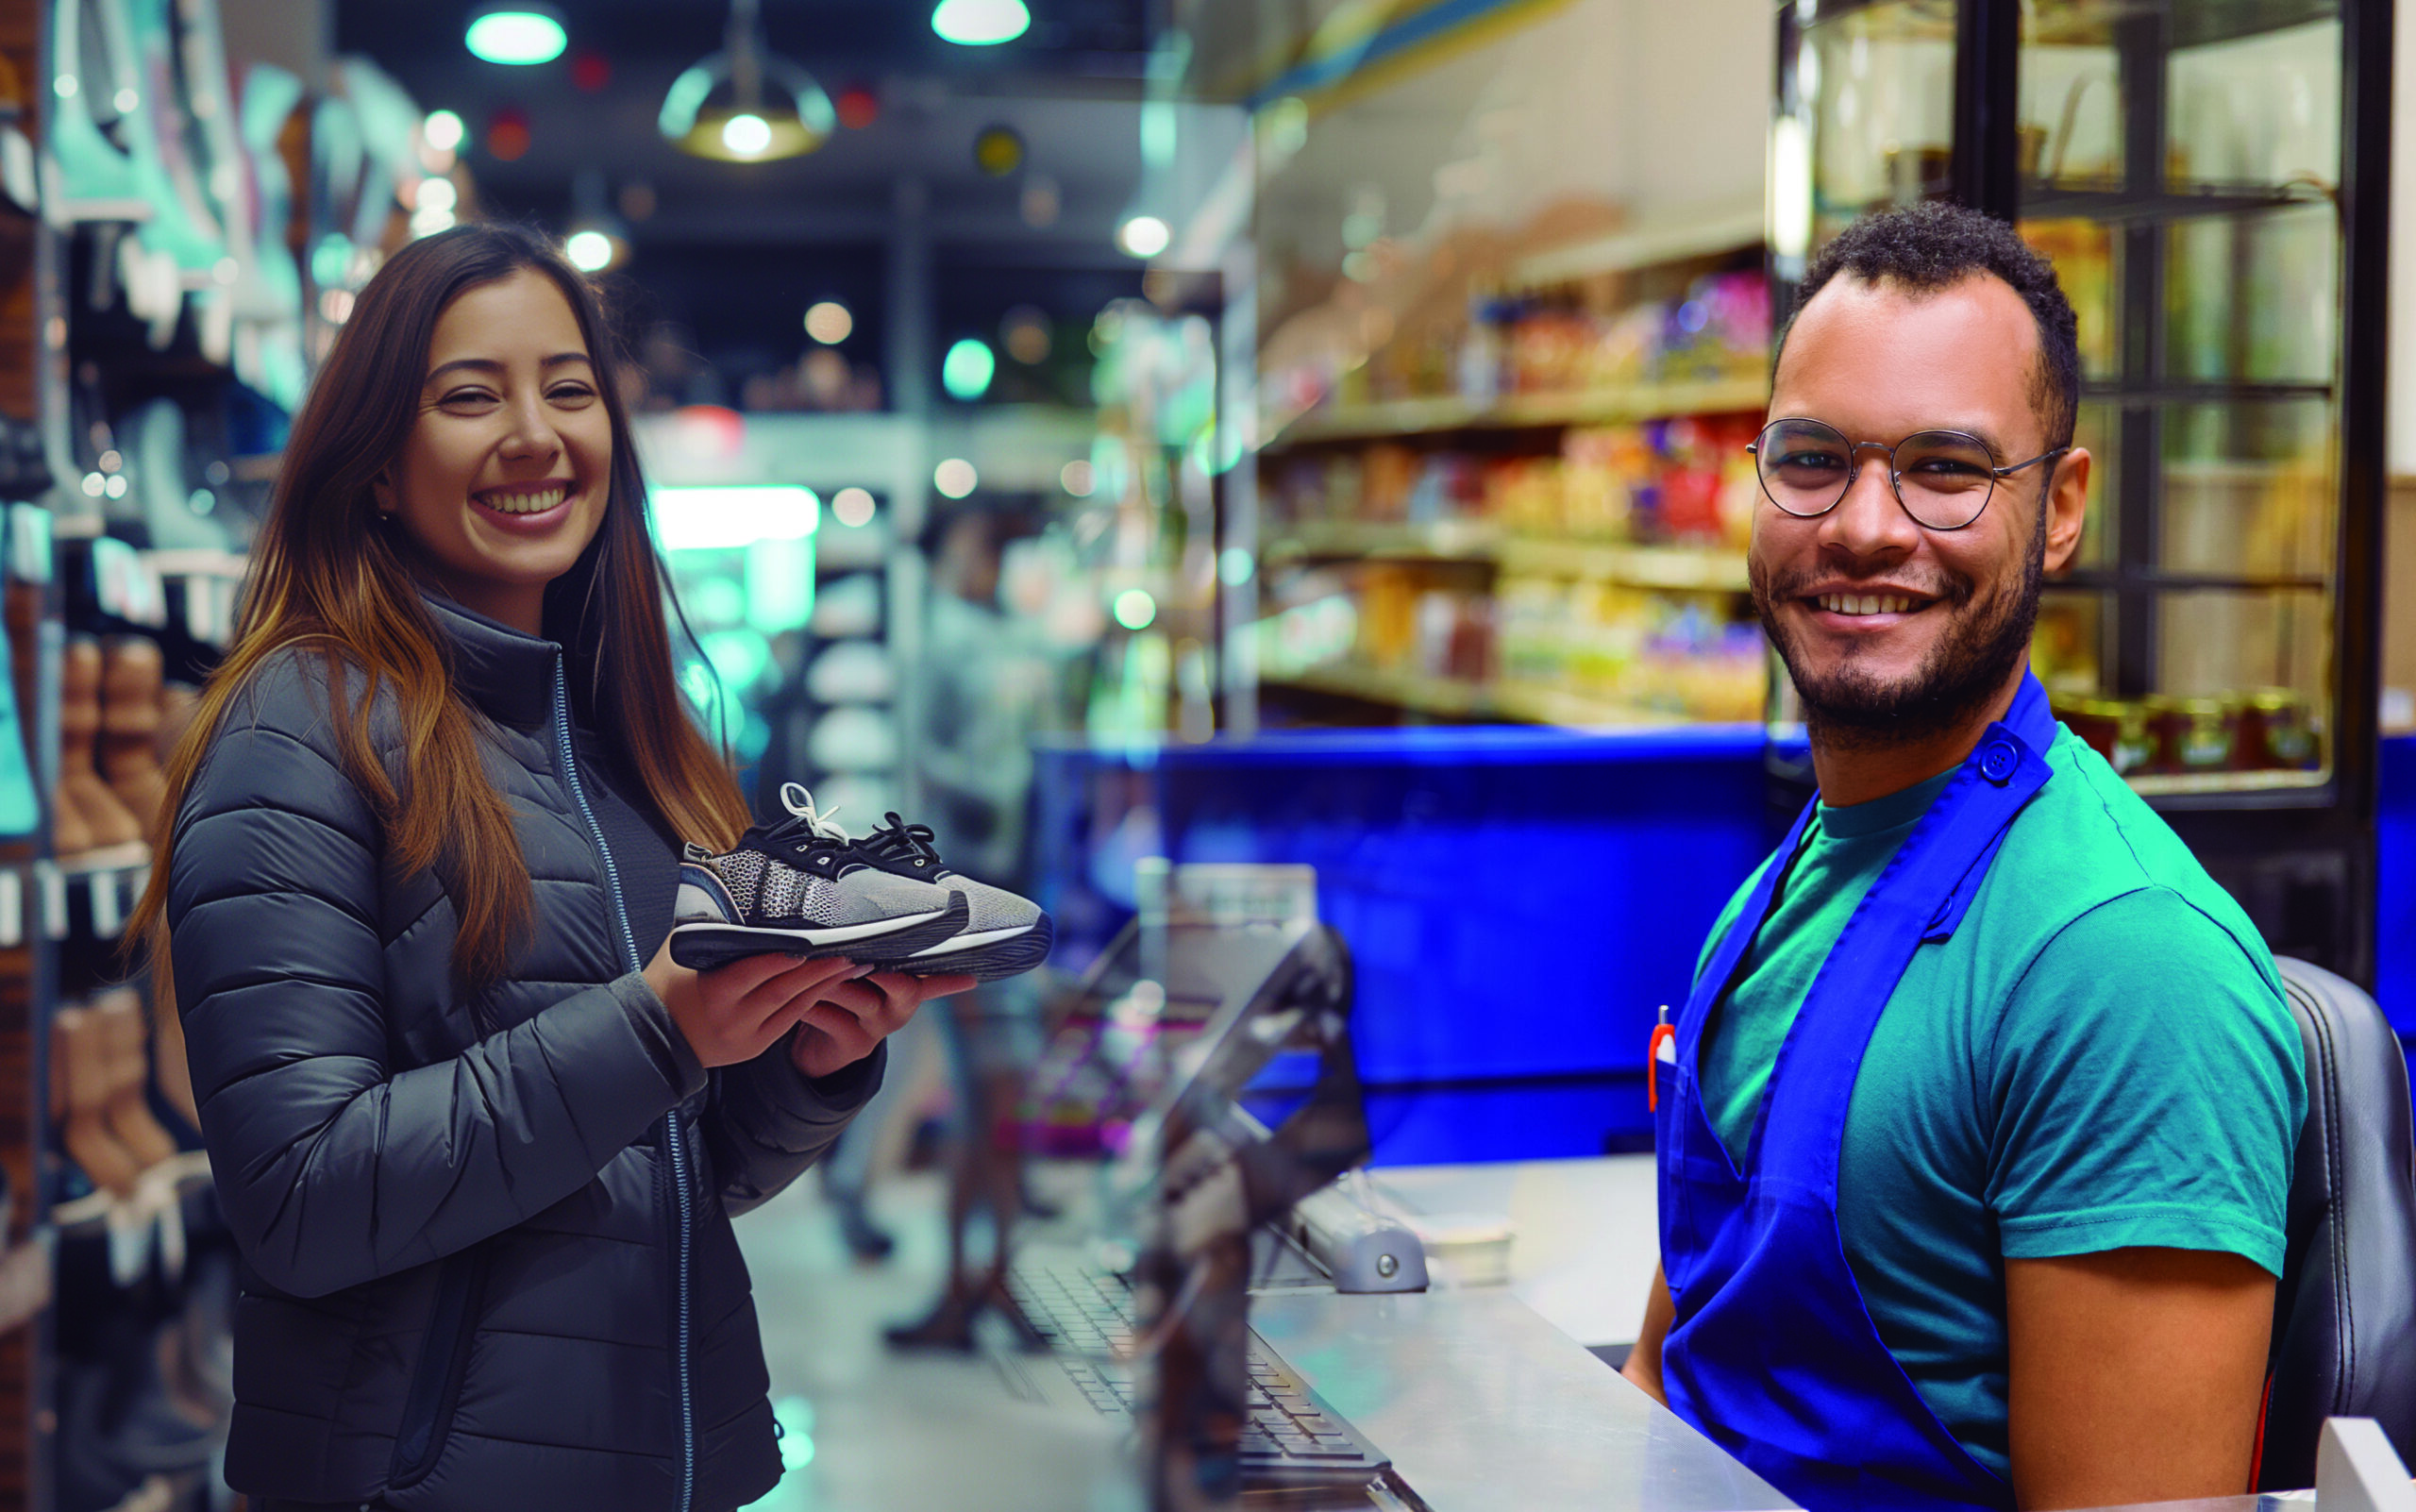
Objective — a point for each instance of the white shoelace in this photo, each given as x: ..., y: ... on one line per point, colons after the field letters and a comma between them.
x: 798, y: 801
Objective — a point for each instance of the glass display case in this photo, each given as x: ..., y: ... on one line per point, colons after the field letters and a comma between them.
x: 2209, y: 178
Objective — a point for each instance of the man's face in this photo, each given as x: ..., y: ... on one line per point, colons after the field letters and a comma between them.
x: 1891, y: 630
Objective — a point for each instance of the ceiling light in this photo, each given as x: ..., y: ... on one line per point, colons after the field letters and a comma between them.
x: 521, y: 34
x: 1135, y: 610
x: 444, y: 130
x: 689, y: 518
x: 955, y: 478
x: 745, y: 104
x: 589, y: 251
x: 966, y: 371
x: 853, y: 507
x: 1143, y: 236
x: 746, y: 135
x: 829, y: 323
x: 980, y: 23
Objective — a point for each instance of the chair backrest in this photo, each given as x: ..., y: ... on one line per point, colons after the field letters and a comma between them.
x: 2344, y: 1316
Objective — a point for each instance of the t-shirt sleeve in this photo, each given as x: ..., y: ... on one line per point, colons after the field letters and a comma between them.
x: 2149, y: 1084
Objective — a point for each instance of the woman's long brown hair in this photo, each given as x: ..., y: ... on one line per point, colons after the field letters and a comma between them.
x: 325, y: 578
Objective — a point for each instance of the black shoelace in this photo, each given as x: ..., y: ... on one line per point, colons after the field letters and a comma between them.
x: 901, y: 841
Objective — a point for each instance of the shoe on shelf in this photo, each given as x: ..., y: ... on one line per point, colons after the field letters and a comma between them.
x: 1004, y: 935
x: 108, y: 821
x: 799, y: 888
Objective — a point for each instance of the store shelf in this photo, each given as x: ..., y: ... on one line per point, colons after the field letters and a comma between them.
x: 1724, y: 228
x: 2115, y: 207
x: 2180, y: 784
x: 1447, y: 413
x: 1455, y: 698
x: 2209, y: 392
x: 24, y: 1283
x: 1701, y: 569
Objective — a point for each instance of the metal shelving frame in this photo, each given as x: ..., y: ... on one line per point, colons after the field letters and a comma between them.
x: 2300, y: 859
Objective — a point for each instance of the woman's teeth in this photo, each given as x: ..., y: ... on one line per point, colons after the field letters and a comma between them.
x: 537, y: 503
x: 1866, y: 604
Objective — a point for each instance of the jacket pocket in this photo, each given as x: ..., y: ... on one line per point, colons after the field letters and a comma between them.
x: 444, y: 1356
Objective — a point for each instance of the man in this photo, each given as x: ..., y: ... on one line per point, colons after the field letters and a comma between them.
x: 1976, y: 1133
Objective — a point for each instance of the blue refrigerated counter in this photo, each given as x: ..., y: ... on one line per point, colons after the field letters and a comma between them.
x: 1517, y: 901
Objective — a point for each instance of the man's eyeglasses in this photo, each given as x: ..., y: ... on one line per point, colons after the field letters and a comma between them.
x: 1943, y: 479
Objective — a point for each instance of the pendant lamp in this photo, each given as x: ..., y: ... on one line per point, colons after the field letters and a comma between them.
x: 744, y: 105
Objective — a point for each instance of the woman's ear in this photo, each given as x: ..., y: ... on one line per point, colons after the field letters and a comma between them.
x: 381, y: 493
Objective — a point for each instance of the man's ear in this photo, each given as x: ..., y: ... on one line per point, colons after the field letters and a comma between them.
x: 2067, y: 506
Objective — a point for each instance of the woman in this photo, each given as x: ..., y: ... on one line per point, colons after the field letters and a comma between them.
x: 479, y: 1136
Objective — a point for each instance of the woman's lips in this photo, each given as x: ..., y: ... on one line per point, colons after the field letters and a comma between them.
x: 520, y: 518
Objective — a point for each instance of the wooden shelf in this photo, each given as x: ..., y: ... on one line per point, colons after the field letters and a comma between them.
x: 1729, y: 228
x: 1453, y: 697
x: 1685, y: 568
x: 1444, y: 414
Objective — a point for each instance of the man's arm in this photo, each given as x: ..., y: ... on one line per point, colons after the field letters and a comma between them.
x: 1643, y: 1364
x: 2136, y: 1374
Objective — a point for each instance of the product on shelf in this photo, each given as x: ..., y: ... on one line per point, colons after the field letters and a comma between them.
x: 128, y: 746
x: 2258, y: 730
x: 105, y: 821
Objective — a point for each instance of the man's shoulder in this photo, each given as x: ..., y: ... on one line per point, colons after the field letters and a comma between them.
x: 2088, y: 841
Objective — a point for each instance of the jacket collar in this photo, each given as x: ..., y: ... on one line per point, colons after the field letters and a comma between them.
x: 507, y: 675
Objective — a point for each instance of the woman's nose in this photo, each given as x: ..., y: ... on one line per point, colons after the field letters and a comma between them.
x: 531, y: 433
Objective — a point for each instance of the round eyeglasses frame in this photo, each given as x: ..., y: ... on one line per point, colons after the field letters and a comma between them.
x: 1895, y: 479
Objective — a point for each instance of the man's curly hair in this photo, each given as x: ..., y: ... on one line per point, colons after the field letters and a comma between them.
x: 1923, y: 248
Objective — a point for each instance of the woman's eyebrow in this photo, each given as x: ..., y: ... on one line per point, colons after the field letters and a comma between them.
x: 488, y: 365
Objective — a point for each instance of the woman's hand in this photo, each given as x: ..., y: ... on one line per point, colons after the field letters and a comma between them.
x: 854, y: 1016
x: 737, y: 1012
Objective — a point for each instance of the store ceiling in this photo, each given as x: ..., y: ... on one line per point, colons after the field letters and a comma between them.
x: 1071, y: 86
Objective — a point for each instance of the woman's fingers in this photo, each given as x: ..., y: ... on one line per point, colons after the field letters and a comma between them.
x: 789, y: 979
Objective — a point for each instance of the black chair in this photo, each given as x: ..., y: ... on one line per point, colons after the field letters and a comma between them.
x: 2344, y: 1316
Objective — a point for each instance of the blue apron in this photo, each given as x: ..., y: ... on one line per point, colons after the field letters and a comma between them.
x: 1771, y: 1352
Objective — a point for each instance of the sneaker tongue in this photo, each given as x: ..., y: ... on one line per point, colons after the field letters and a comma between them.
x: 795, y: 835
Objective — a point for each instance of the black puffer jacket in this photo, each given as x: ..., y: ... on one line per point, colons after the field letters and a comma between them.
x: 475, y: 1278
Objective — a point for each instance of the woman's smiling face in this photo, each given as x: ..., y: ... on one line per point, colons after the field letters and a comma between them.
x: 502, y: 480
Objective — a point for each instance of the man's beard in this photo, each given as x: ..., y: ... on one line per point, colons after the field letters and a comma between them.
x: 1967, y: 667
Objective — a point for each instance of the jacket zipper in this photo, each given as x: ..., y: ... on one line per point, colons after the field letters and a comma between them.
x: 674, y: 1141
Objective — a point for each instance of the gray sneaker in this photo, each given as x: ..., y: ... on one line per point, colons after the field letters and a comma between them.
x: 1006, y: 936
x: 799, y: 888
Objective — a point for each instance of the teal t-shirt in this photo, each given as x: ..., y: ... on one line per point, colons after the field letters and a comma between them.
x: 2098, y: 1058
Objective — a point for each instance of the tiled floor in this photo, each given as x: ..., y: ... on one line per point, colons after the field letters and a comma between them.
x: 870, y: 1429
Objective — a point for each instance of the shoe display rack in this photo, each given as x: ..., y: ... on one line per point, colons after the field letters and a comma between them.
x: 177, y: 245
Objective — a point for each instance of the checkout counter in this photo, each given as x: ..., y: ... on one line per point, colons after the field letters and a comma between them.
x: 1475, y: 1362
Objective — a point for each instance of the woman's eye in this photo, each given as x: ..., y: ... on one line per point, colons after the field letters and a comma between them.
x: 461, y: 398
x: 571, y: 394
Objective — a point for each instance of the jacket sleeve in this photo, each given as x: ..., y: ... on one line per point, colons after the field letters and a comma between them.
x: 334, y: 1168
x: 767, y: 1123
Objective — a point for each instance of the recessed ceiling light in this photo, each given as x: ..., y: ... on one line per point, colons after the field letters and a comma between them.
x: 829, y: 323
x: 520, y: 34
x: 967, y: 370
x: 1143, y: 236
x: 980, y: 23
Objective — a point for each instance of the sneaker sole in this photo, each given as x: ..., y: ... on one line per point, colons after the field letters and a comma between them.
x: 701, y: 947
x: 1005, y: 953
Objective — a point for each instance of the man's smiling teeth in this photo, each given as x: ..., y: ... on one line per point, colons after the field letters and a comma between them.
x: 537, y: 503
x: 1867, y: 603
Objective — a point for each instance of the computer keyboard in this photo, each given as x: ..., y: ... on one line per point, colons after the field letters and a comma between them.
x: 1290, y: 1436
